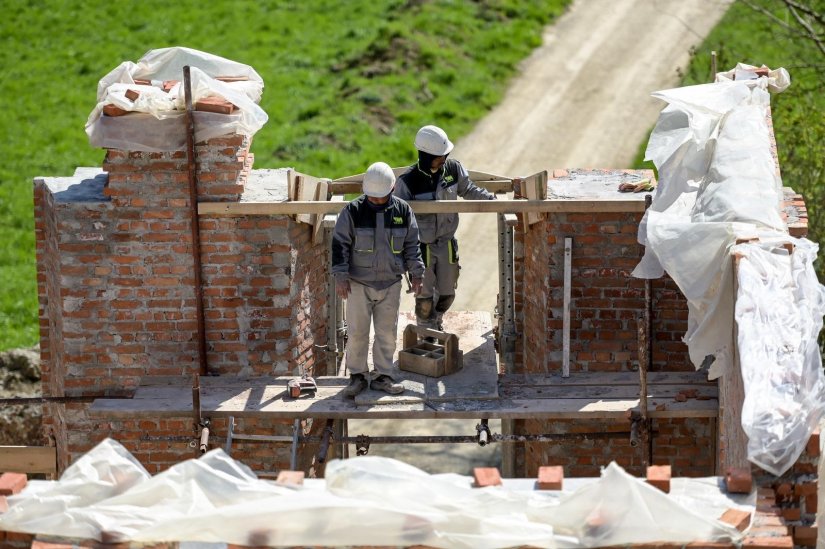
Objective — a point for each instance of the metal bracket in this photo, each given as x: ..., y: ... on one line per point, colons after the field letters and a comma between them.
x: 362, y: 445
x: 202, y: 442
x: 328, y: 436
x: 484, y: 435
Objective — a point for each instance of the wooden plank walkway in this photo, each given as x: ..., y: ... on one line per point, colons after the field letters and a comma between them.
x: 597, y: 396
x: 478, y: 379
x: 475, y: 392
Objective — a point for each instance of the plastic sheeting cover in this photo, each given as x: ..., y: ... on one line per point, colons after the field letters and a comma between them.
x: 718, y: 184
x: 365, y: 501
x: 779, y: 309
x: 160, y: 126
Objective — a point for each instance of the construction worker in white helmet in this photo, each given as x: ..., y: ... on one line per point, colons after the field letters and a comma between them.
x: 375, y: 242
x: 437, y: 177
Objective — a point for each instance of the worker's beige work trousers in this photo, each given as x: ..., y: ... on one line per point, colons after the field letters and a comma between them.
x: 367, y: 306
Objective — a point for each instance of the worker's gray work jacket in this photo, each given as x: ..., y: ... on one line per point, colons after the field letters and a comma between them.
x: 450, y: 182
x: 376, y: 246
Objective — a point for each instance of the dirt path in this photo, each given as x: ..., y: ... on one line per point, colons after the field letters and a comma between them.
x: 582, y: 100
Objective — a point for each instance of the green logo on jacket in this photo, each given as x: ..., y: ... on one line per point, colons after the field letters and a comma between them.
x: 448, y: 178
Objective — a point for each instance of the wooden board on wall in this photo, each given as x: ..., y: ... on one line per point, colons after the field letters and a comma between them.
x: 321, y: 194
x: 303, y: 188
x: 534, y: 187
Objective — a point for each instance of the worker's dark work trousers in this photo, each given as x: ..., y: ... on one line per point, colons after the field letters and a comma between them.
x: 367, y: 306
x: 440, y: 282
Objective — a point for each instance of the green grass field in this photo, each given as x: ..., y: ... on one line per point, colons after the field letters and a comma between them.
x: 346, y: 84
x: 745, y: 35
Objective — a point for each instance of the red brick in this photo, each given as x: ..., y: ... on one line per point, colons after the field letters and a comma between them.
x: 805, y: 488
x: 37, y: 544
x: 659, y: 477
x: 550, y: 477
x: 805, y: 535
x: 486, y: 476
x: 738, y: 481
x: 792, y: 513
x: 784, y: 489
x: 778, y: 542
x: 811, y: 504
x: 737, y: 518
x: 290, y: 478
x: 112, y: 110
x: 4, y: 505
x: 214, y: 104
x: 12, y: 483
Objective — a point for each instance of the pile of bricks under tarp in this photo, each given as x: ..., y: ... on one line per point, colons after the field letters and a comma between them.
x: 206, y: 104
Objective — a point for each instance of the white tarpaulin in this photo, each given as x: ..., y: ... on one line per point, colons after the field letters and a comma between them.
x: 363, y: 501
x: 157, y: 120
x: 779, y: 309
x: 719, y: 184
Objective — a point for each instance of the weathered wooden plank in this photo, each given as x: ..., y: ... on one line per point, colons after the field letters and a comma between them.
x: 551, y: 205
x: 608, y: 378
x: 321, y: 192
x: 330, y: 404
x: 565, y: 332
x: 351, y: 187
x: 664, y: 393
x: 28, y: 459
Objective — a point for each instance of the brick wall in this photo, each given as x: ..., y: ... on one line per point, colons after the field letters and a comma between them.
x: 686, y: 444
x: 605, y: 299
x: 117, y: 296
x: 794, y: 496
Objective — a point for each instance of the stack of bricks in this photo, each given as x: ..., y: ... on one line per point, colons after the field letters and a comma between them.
x: 117, y: 295
x: 11, y: 484
x: 793, y: 496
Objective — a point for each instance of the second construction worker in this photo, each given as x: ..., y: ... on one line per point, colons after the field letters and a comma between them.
x: 375, y: 242
x: 435, y: 177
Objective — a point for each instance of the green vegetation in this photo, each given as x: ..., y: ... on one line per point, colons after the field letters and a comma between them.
x: 346, y: 84
x: 750, y: 36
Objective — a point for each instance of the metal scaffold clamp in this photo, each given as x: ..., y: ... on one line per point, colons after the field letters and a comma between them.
x: 484, y: 434
x: 362, y: 445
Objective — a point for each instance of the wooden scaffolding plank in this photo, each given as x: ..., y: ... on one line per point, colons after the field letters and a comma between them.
x: 28, y: 459
x: 268, y: 397
x: 660, y: 393
x: 608, y: 378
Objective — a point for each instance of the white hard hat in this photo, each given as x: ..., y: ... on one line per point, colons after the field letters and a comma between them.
x: 379, y: 180
x: 433, y: 140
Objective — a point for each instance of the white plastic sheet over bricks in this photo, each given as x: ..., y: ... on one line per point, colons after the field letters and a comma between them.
x: 363, y: 501
x: 718, y: 183
x: 779, y: 309
x: 160, y: 126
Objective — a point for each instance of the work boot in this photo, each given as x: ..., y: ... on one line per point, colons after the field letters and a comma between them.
x: 357, y: 383
x: 386, y: 384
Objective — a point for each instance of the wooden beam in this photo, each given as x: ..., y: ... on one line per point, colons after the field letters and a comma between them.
x: 353, y: 187
x: 565, y: 335
x: 234, y: 209
x: 732, y: 443
x: 28, y: 459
